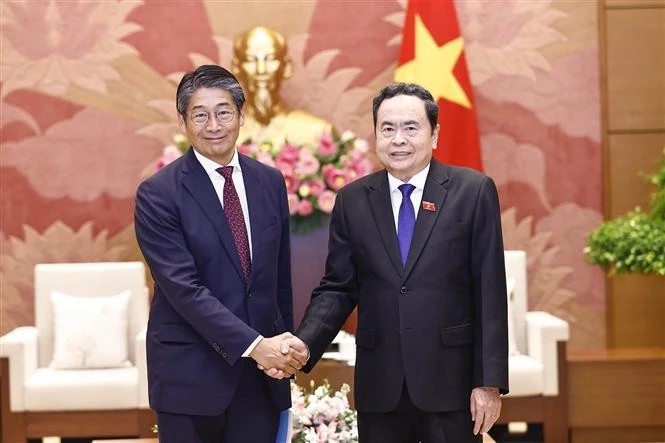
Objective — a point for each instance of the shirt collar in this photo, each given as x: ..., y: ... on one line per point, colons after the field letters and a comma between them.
x: 211, y: 166
x: 418, y: 180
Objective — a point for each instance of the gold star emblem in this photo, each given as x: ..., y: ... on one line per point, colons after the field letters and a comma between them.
x: 433, y: 65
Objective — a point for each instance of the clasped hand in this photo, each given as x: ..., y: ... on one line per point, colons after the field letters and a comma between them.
x: 280, y: 356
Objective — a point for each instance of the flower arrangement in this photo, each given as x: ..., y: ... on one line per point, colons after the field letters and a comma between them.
x: 170, y: 152
x: 314, y: 174
x: 173, y: 151
x: 322, y: 415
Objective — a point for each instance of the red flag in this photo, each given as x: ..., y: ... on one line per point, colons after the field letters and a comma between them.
x: 429, y: 206
x: 432, y: 55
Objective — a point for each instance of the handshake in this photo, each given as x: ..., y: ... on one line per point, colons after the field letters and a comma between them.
x: 280, y: 356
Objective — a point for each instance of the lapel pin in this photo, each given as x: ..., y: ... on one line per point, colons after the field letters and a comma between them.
x: 429, y: 206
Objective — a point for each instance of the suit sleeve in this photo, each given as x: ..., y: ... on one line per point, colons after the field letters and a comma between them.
x: 337, y: 294
x: 489, y: 291
x: 172, y: 266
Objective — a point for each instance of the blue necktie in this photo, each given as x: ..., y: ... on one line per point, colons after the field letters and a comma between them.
x: 406, y: 221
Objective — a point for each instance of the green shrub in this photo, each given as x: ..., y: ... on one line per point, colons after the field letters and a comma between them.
x: 634, y: 242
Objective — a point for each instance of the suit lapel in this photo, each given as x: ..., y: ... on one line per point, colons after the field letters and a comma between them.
x: 252, y: 180
x: 197, y: 182
x: 379, y: 201
x: 435, y: 192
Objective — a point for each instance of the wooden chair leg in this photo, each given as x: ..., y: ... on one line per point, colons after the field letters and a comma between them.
x: 555, y: 423
x: 556, y: 428
x: 12, y: 424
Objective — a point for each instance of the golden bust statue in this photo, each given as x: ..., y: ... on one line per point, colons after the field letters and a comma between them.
x: 260, y: 63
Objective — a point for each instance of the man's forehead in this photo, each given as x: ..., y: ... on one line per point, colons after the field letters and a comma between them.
x: 402, y: 104
x: 210, y: 97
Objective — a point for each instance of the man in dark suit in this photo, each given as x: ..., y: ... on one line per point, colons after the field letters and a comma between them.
x: 418, y: 249
x: 214, y: 229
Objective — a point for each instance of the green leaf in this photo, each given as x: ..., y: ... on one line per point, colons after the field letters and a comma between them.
x: 301, y: 225
x: 634, y: 242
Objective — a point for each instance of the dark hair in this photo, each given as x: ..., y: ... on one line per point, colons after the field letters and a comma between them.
x: 208, y: 76
x: 394, y: 89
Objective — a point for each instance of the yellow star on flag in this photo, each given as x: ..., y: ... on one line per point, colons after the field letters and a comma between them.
x: 432, y: 67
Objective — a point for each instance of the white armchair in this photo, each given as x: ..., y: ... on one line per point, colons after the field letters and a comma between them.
x: 537, y: 364
x: 81, y: 370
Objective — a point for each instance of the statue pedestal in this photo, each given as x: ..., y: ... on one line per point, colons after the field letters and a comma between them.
x: 308, y: 261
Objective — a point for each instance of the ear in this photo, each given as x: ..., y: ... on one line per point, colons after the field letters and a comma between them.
x: 288, y: 67
x: 435, y: 137
x: 181, y: 123
x: 241, y: 118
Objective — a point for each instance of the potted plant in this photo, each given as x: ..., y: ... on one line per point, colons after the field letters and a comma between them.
x: 632, y: 247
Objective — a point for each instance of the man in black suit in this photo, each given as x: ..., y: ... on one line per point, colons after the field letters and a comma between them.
x: 417, y: 247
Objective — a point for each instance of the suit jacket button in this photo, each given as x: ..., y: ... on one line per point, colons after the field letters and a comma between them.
x: 224, y: 354
x: 402, y: 290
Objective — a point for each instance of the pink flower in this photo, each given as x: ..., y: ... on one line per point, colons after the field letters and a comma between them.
x: 363, y: 167
x: 284, y: 163
x: 326, y: 201
x: 169, y: 154
x: 265, y: 158
x: 327, y: 146
x: 337, y: 178
x: 327, y: 171
x: 313, y: 174
x: 307, y: 164
x: 305, y: 207
x: 292, y: 184
x: 316, y: 186
x: 286, y: 157
x: 356, y: 164
x: 293, y: 203
x: 289, y: 152
x: 248, y: 149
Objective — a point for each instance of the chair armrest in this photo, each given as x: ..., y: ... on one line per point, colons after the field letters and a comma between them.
x: 142, y: 367
x: 544, y: 330
x: 20, y: 347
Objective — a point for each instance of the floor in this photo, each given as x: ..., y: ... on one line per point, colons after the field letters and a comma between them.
x: 521, y: 433
x: 517, y: 432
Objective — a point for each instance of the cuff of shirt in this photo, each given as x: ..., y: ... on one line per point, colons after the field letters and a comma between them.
x: 252, y: 346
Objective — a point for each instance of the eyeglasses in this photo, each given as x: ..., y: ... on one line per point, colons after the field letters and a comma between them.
x: 223, y: 116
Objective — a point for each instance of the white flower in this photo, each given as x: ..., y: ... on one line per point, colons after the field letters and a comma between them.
x: 323, y: 415
x: 347, y: 136
x: 361, y: 145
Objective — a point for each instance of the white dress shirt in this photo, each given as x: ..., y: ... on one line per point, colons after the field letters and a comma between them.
x: 218, y: 183
x: 418, y: 181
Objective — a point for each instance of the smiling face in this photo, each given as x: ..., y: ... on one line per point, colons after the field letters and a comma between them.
x: 404, y: 136
x: 214, y: 140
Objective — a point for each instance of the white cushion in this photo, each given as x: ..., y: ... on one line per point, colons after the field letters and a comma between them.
x: 77, y: 390
x: 525, y: 376
x: 90, y: 332
x: 512, y: 342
